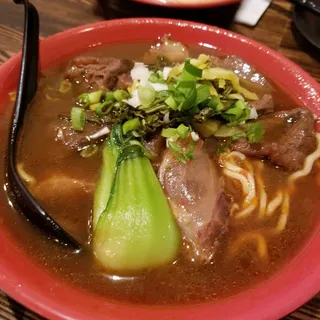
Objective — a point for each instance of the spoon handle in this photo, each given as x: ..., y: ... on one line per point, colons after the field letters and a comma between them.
x: 27, y: 88
x: 309, y: 4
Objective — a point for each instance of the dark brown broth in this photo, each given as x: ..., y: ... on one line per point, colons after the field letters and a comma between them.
x: 181, y: 282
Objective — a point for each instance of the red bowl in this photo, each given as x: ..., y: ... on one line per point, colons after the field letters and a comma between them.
x: 293, y: 285
x: 193, y: 4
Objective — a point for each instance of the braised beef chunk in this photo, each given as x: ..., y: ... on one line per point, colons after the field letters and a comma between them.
x: 264, y: 105
x: 289, y: 138
x: 100, y: 72
x: 195, y: 193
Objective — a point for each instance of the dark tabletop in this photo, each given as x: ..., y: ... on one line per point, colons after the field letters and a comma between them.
x: 275, y: 29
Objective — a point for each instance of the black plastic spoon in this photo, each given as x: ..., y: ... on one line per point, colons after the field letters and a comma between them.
x: 26, y: 91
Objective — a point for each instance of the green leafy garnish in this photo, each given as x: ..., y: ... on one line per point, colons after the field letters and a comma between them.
x: 120, y: 95
x: 188, y: 89
x: 238, y: 113
x: 155, y: 77
x: 174, y: 133
x: 203, y: 94
x: 131, y: 125
x: 146, y: 95
x: 78, y: 118
x: 180, y: 154
x: 191, y: 69
x: 255, y: 132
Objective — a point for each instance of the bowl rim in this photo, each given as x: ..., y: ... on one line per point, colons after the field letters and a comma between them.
x: 290, y: 287
x: 191, y: 5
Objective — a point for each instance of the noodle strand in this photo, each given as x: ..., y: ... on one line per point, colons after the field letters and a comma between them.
x: 308, y: 163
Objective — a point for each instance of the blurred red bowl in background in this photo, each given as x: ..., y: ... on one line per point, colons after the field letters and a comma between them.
x: 189, y: 3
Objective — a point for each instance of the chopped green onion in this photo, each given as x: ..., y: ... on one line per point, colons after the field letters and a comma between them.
x: 103, y: 108
x: 93, y: 107
x: 188, y: 89
x: 227, y: 131
x: 180, y: 154
x: 130, y: 125
x: 171, y: 103
x: 95, y: 97
x: 78, y: 118
x: 183, y: 131
x: 155, y: 108
x: 238, y: 113
x: 193, y: 70
x: 170, y: 133
x: 89, y: 151
x: 146, y: 95
x: 255, y: 132
x: 163, y: 94
x: 216, y: 104
x: 121, y: 95
x: 156, y: 78
x: 203, y: 93
x: 221, y: 83
x: 109, y: 96
x: 83, y: 100
x: 65, y: 86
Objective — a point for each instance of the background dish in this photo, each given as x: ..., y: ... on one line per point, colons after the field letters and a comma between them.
x: 308, y: 23
x: 289, y: 289
x: 189, y: 3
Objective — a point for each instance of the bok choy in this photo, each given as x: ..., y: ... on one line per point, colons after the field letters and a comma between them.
x: 133, y: 228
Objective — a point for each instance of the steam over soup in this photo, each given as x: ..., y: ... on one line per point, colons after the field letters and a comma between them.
x: 188, y: 175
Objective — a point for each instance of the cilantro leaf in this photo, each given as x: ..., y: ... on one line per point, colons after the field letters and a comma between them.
x: 255, y: 132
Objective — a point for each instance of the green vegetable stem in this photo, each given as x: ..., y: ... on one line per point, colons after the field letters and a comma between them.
x: 136, y: 229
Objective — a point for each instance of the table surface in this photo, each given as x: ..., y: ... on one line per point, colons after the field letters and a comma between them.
x: 274, y: 29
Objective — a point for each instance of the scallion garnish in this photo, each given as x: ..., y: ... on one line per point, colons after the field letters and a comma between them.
x: 203, y: 94
x: 193, y: 70
x: 109, y: 96
x: 83, y: 100
x: 78, y: 118
x: 156, y: 78
x: 171, y: 103
x: 103, y: 108
x: 237, y: 113
x: 131, y: 125
x: 146, y: 95
x: 174, y: 133
x: 255, y: 132
x: 180, y: 154
x: 120, y: 95
x: 95, y: 97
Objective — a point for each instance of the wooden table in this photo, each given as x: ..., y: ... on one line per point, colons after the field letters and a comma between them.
x: 274, y: 29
